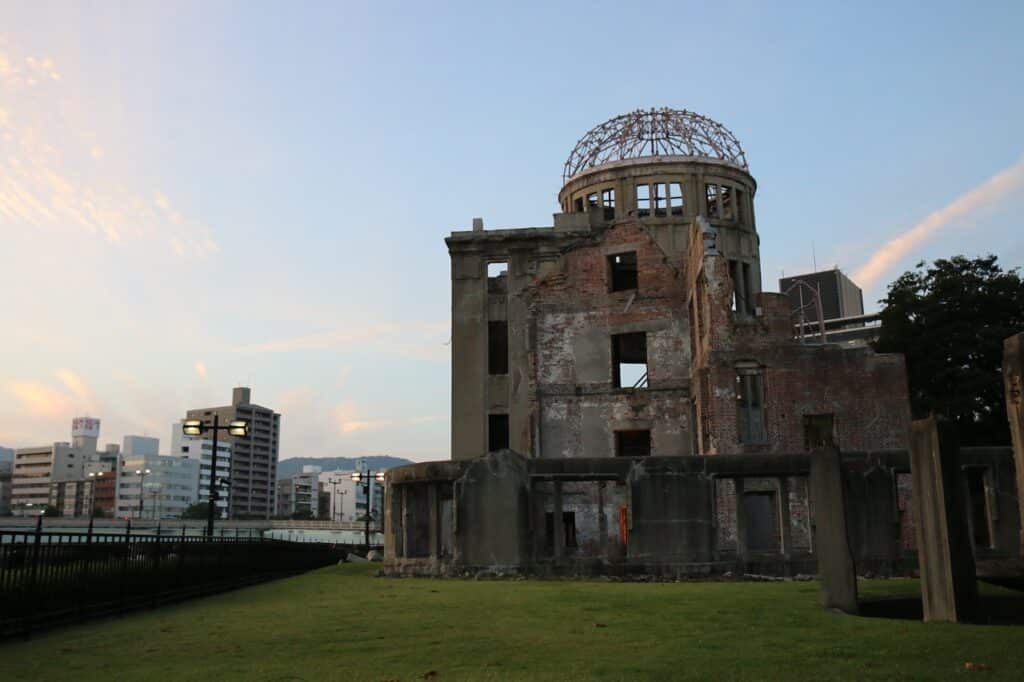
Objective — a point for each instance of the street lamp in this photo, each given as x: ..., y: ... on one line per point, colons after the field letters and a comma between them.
x: 141, y: 473
x: 334, y: 494
x: 197, y: 427
x: 95, y: 477
x: 366, y: 478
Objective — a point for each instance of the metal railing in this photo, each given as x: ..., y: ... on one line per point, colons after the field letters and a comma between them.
x: 51, y: 579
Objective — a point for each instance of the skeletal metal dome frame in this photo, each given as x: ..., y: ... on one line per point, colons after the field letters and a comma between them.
x: 655, y: 132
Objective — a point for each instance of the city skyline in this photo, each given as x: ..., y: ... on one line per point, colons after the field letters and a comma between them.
x: 195, y: 198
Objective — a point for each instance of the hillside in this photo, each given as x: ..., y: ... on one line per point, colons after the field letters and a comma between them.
x: 287, y: 468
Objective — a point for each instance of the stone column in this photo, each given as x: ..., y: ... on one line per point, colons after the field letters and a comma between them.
x: 1013, y: 379
x: 785, y: 524
x: 836, y: 570
x: 741, y: 526
x: 435, y: 521
x: 558, y: 530
x: 946, y: 560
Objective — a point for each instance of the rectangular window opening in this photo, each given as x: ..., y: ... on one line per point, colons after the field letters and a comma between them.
x: 629, y: 360
x: 568, y: 530
x: 740, y: 213
x: 497, y: 278
x: 760, y: 511
x: 578, y: 205
x: 608, y: 201
x: 660, y: 199
x: 675, y: 198
x: 643, y: 200
x: 728, y: 203
x: 592, y: 199
x: 623, y: 269
x: 750, y: 405
x: 633, y: 443
x: 497, y: 347
x: 712, y: 197
x: 497, y: 432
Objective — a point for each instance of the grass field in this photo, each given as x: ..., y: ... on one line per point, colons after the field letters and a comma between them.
x: 341, y: 623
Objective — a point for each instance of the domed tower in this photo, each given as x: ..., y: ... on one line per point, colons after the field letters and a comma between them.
x: 574, y: 340
x: 665, y: 167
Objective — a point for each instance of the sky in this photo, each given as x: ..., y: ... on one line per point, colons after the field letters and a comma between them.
x: 195, y: 196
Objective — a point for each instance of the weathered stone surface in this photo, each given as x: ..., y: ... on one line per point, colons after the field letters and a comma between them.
x: 1013, y: 380
x: 949, y: 590
x: 836, y: 569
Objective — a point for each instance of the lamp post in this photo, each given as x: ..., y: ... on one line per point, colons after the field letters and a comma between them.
x: 141, y: 473
x: 366, y: 478
x: 334, y: 495
x: 94, y: 478
x: 197, y: 427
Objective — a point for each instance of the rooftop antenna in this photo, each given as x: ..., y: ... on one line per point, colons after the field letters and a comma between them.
x: 814, y: 257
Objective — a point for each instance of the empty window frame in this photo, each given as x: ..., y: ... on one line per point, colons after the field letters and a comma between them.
x: 578, y: 204
x: 497, y: 278
x: 497, y: 347
x: 608, y: 201
x: 633, y: 443
x: 711, y: 191
x: 740, y: 209
x: 497, y: 432
x: 750, y: 404
x: 727, y: 197
x: 675, y: 198
x: 622, y: 271
x: 660, y: 199
x: 592, y: 199
x: 643, y: 200
x: 629, y: 360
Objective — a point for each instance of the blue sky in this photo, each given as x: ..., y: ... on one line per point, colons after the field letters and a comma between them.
x: 200, y: 195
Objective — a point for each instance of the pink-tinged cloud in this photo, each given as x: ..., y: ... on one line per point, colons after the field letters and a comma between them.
x: 348, y: 420
x: 416, y: 339
x: 38, y: 400
x: 77, y: 387
x: 997, y: 188
x: 45, y: 184
x: 201, y: 370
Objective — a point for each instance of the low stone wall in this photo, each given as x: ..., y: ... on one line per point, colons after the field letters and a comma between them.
x: 669, y: 516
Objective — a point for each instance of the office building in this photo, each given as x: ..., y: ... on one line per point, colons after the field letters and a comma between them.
x: 166, y: 487
x: 253, y: 457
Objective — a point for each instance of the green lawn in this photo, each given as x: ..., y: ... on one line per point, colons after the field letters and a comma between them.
x: 342, y: 623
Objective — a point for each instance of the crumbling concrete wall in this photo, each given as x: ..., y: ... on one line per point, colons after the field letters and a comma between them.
x: 575, y: 315
x: 864, y: 393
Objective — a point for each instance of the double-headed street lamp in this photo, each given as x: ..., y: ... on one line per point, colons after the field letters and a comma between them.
x: 197, y: 427
x: 366, y: 478
x: 141, y: 473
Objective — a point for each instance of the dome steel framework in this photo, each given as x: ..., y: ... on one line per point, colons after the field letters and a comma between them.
x: 655, y: 132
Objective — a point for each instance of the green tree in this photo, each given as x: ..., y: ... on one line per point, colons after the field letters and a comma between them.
x: 950, y: 319
x: 199, y: 510
x: 303, y: 515
x: 50, y: 510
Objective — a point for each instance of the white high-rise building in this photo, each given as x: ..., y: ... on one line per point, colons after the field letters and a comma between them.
x: 166, y: 488
x: 201, y: 449
x: 140, y: 446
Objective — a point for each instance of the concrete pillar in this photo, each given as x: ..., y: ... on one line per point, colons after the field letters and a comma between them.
x: 559, y: 531
x: 784, y: 520
x: 1013, y: 380
x: 949, y: 591
x: 836, y: 570
x: 435, y: 521
x: 741, y: 525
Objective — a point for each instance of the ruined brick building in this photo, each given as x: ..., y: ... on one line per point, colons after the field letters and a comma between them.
x: 612, y: 363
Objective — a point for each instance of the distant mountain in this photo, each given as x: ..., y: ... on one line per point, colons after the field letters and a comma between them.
x: 287, y: 468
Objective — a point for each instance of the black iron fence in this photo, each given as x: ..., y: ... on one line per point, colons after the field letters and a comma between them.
x: 49, y: 579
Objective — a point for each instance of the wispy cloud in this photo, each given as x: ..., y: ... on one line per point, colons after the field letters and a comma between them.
x: 418, y: 339
x: 39, y: 400
x: 994, y: 190
x: 201, y: 370
x: 52, y: 177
